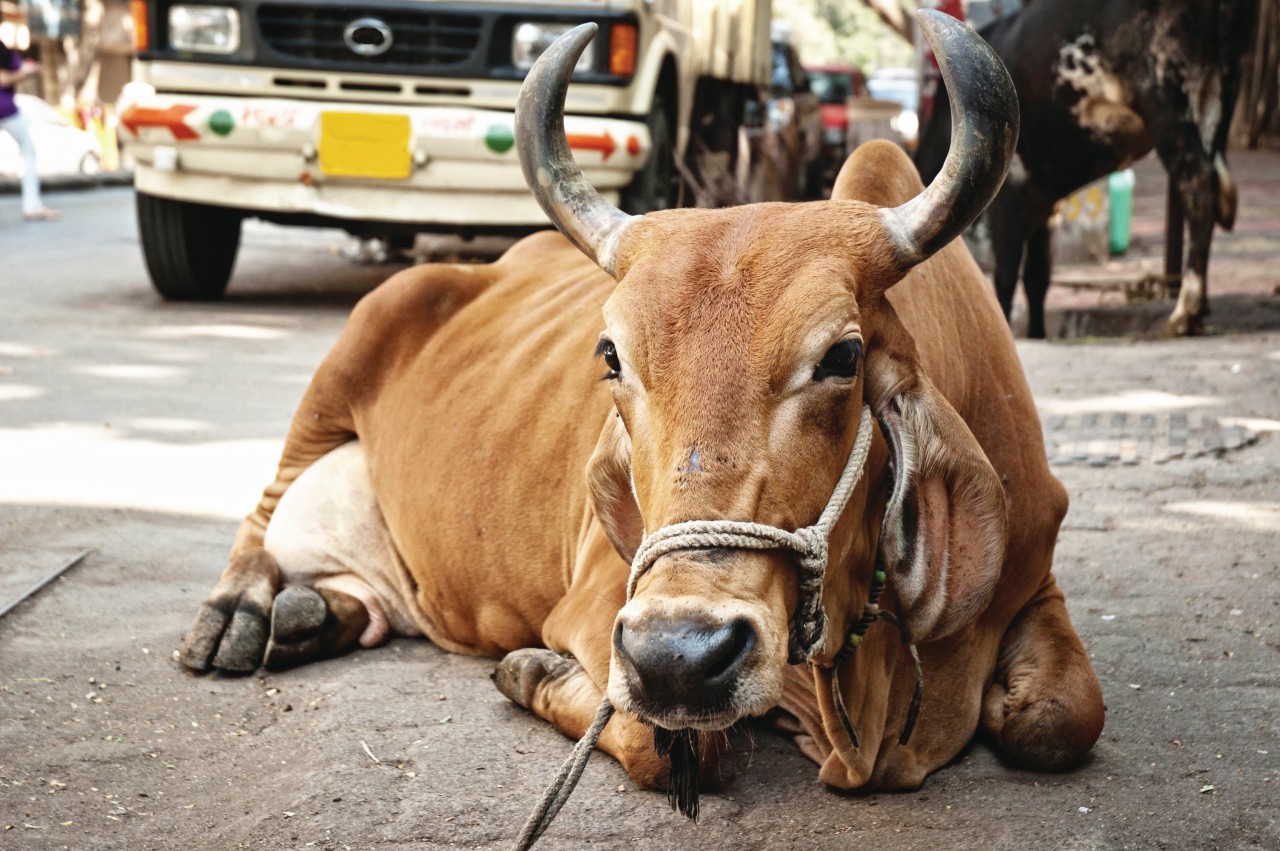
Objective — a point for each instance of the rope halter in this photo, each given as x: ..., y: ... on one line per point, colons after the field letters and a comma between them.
x: 810, y: 543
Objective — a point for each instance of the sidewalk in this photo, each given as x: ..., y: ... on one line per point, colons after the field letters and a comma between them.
x: 70, y: 182
x: 1244, y: 280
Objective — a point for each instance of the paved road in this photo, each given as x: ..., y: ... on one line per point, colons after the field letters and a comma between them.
x: 144, y: 430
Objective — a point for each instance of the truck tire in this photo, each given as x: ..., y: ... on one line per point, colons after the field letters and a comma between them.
x: 656, y: 186
x: 189, y: 248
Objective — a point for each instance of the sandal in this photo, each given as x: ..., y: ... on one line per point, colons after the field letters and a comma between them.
x: 42, y: 215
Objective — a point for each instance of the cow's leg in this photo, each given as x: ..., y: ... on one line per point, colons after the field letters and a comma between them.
x: 558, y: 688
x: 324, y: 580
x: 565, y: 684
x: 1035, y: 278
x: 233, y: 626
x: 1045, y: 706
x: 1198, y: 198
x: 1006, y: 218
x: 1195, y: 176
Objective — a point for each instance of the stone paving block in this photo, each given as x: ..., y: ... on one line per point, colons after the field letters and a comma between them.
x: 1124, y: 438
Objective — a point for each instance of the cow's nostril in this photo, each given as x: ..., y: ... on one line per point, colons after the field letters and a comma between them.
x: 732, y: 643
x: 689, y: 663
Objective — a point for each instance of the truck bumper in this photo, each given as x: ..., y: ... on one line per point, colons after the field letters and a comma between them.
x: 443, y: 166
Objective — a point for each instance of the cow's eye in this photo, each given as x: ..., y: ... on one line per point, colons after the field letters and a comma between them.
x: 840, y: 361
x: 609, y: 352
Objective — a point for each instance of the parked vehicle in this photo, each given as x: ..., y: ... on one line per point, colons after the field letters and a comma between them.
x: 901, y: 85
x: 835, y: 85
x: 795, y: 116
x: 61, y: 148
x: 389, y: 117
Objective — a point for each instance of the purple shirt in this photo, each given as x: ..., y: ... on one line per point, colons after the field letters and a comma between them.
x: 7, y: 106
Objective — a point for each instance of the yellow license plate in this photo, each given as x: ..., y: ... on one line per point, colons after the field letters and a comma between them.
x: 362, y: 144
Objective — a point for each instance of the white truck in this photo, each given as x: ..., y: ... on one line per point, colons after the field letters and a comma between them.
x: 392, y: 117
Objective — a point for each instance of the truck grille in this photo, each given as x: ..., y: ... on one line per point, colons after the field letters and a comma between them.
x: 421, y: 39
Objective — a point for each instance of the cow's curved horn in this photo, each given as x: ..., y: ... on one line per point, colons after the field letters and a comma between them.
x: 984, y: 132
x: 573, y: 205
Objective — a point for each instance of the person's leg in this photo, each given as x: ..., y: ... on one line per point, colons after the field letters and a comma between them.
x: 17, y: 127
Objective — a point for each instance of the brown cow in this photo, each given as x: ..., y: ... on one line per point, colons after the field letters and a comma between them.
x: 459, y: 470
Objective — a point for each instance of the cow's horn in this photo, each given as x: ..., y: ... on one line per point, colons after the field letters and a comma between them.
x: 573, y: 205
x: 984, y: 132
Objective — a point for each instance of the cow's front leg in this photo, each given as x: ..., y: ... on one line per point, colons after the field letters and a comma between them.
x: 1045, y: 706
x: 565, y: 684
x: 557, y: 688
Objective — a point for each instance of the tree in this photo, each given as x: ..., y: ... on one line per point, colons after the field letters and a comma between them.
x: 839, y: 31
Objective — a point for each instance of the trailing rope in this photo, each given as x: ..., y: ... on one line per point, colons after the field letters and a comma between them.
x: 559, y: 790
x: 810, y: 543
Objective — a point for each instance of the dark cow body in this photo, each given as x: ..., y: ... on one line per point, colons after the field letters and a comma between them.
x: 1100, y: 83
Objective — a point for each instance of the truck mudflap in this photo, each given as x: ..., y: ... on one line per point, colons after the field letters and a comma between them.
x: 358, y: 161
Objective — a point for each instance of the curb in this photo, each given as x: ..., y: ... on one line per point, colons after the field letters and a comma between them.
x: 1230, y: 313
x: 69, y: 182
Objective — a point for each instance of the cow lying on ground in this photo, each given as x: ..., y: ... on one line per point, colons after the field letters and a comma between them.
x: 1100, y: 83
x: 458, y: 469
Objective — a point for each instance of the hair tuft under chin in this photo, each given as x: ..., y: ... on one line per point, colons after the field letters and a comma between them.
x: 681, y: 749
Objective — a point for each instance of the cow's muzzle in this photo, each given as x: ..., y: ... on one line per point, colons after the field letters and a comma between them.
x: 684, y: 671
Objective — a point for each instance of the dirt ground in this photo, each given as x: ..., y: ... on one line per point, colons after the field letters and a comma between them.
x: 143, y: 430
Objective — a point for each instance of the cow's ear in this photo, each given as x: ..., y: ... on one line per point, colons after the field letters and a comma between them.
x: 609, y: 484
x: 943, y: 538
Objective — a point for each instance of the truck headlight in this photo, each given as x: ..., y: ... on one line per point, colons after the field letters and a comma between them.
x: 530, y: 38
x: 204, y: 29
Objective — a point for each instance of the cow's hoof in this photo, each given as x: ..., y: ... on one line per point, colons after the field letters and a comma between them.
x: 308, y: 625
x: 230, y: 630
x: 298, y: 612
x: 521, y: 672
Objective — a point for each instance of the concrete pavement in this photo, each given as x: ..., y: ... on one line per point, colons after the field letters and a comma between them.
x: 144, y: 430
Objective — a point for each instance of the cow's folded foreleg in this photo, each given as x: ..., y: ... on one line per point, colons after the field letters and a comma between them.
x: 566, y: 684
x: 556, y: 688
x: 1045, y: 706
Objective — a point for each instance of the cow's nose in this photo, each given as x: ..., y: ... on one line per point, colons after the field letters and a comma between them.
x: 689, y: 663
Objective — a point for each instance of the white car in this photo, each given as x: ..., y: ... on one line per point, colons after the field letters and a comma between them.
x: 61, y: 149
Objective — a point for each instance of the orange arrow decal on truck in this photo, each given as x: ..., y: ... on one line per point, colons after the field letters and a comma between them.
x: 603, y: 143
x: 171, y: 117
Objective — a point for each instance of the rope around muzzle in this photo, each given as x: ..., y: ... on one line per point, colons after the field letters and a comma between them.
x: 811, y: 544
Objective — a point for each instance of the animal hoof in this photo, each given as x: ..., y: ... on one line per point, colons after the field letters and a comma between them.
x: 308, y: 625
x: 298, y: 611
x: 241, y: 646
x: 230, y: 629
x: 521, y: 672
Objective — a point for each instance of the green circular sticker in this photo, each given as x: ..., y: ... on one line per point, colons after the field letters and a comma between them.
x: 499, y: 139
x: 221, y: 122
